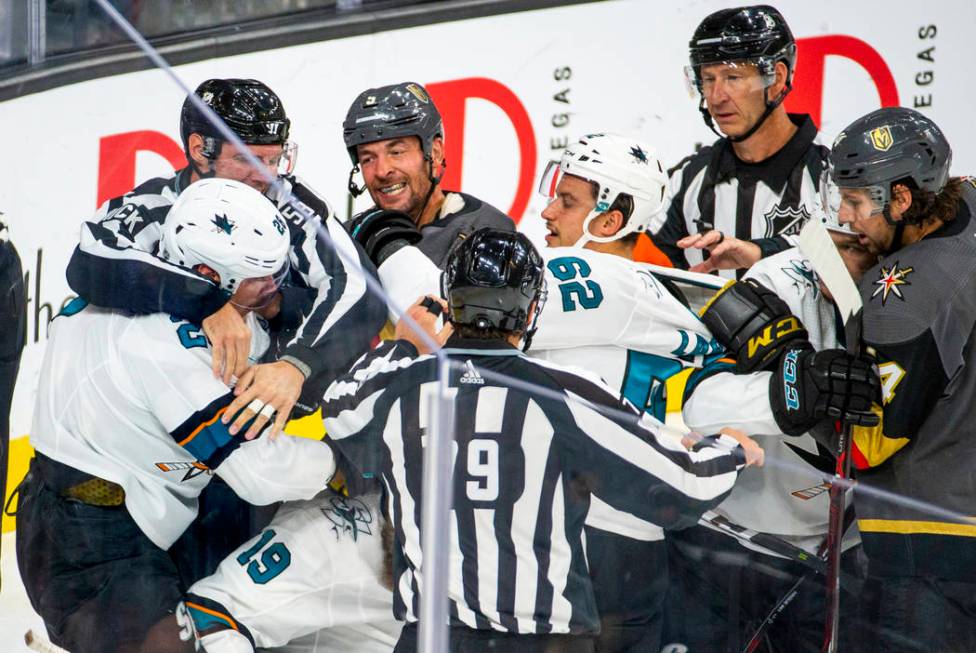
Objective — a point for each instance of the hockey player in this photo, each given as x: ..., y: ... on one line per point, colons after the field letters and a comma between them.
x: 747, y: 195
x: 532, y: 462
x: 117, y: 265
x: 128, y: 433
x: 395, y: 137
x: 626, y: 322
x: 891, y: 172
x: 319, y: 567
x: 721, y: 592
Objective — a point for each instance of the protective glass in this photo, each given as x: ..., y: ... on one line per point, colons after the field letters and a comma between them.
x: 259, y: 292
x: 848, y: 203
x: 732, y: 77
x: 550, y: 180
x: 238, y: 165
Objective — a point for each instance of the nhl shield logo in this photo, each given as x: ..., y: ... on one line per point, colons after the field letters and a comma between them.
x: 881, y: 138
x: 785, y: 220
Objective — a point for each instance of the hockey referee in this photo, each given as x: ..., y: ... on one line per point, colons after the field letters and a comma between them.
x: 526, y: 463
x: 746, y: 196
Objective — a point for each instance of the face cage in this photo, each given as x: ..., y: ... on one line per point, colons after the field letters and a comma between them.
x: 693, y: 81
x: 831, y: 199
x: 547, y: 188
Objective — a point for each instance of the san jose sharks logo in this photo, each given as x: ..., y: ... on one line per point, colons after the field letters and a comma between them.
x: 639, y: 154
x: 348, y: 516
x: 223, y: 223
x: 192, y: 470
x: 785, y: 220
x: 891, y: 280
x: 802, y: 275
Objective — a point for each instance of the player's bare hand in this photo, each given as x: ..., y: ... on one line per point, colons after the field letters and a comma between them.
x: 263, y: 391
x: 753, y: 452
x: 425, y: 312
x: 230, y: 340
x: 725, y: 252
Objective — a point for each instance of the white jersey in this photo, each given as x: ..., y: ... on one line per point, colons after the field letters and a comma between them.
x: 773, y: 499
x: 312, y: 578
x: 133, y: 400
x: 605, y: 314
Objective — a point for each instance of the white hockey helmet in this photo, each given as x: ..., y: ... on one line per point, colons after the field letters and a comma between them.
x: 618, y: 165
x: 829, y: 206
x: 230, y: 227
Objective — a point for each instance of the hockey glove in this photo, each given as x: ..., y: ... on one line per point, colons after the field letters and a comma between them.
x: 810, y: 386
x: 753, y: 324
x: 382, y: 232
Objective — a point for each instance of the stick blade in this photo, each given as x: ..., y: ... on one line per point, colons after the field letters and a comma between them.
x: 818, y: 248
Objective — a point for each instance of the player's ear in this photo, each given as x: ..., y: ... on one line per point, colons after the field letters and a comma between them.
x: 901, y: 200
x: 437, y: 152
x: 195, y: 146
x: 609, y: 223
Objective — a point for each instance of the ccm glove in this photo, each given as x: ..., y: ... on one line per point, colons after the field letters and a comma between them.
x: 753, y: 324
x: 810, y: 386
x: 382, y: 232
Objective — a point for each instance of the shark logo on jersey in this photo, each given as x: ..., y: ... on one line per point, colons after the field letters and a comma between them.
x: 785, y: 220
x: 650, y: 283
x: 348, y: 516
x: 802, y: 275
x: 471, y: 375
x: 193, y: 469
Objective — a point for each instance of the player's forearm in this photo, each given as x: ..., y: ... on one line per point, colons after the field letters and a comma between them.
x: 136, y: 281
x: 407, y: 275
x: 739, y: 401
x: 288, y: 468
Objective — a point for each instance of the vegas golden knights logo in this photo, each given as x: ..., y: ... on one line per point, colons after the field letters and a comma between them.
x: 418, y: 93
x: 881, y: 138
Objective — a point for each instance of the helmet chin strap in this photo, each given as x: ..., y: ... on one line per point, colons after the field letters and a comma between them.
x: 770, y: 107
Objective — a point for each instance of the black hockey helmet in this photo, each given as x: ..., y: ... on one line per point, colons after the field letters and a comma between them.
x: 395, y: 111
x: 248, y: 107
x: 889, y: 145
x: 492, y: 279
x: 758, y: 35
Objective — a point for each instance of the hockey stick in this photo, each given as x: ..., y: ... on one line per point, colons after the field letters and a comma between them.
x: 819, y: 249
x: 770, y: 543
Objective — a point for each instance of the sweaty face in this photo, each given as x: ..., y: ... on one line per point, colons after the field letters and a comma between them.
x: 565, y: 214
x: 396, y: 174
x: 858, y: 210
x: 733, y: 95
x: 233, y: 164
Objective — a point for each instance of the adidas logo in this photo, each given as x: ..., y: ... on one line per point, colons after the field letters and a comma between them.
x: 471, y: 375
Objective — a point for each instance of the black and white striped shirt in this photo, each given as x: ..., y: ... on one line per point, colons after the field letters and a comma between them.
x: 766, y: 202
x: 116, y: 266
x: 525, y: 467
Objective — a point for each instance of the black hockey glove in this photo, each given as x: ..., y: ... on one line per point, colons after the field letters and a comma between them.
x: 809, y: 386
x: 753, y: 324
x: 382, y: 232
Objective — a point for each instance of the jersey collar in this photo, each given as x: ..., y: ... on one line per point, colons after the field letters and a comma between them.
x: 774, y: 171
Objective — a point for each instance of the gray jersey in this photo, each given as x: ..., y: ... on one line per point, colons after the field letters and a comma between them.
x: 919, y: 316
x: 460, y: 216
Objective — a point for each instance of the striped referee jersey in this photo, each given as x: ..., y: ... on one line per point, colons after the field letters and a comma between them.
x: 525, y: 467
x: 766, y: 202
x: 116, y: 265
